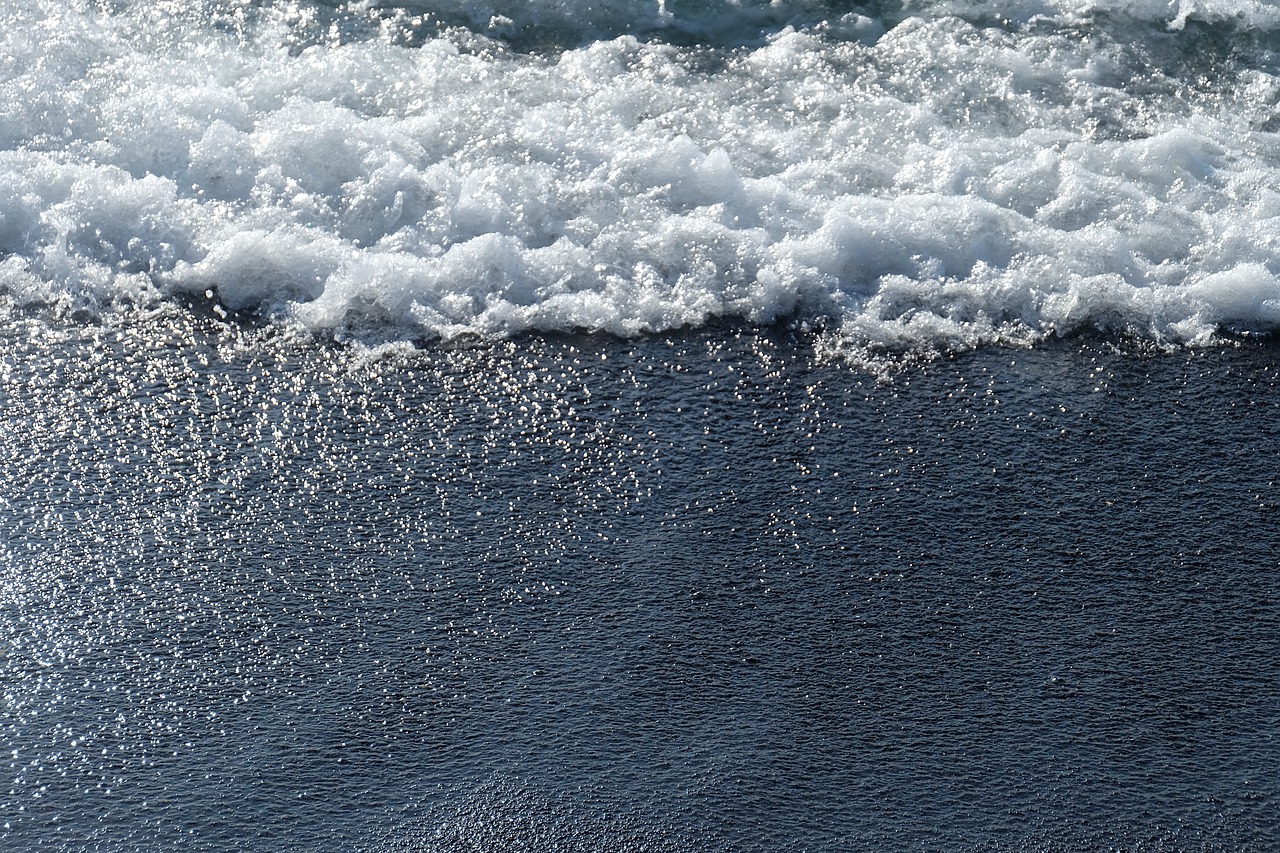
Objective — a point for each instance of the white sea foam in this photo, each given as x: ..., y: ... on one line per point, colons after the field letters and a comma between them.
x: 928, y: 179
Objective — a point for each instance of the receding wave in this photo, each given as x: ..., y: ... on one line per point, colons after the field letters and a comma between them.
x: 915, y: 176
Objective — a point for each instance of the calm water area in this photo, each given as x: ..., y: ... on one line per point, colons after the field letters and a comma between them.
x: 700, y: 591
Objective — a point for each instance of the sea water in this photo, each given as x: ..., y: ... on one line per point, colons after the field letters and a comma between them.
x: 691, y: 425
x: 921, y: 176
x: 696, y: 592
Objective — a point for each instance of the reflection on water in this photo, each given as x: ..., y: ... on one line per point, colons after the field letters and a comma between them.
x: 687, y: 592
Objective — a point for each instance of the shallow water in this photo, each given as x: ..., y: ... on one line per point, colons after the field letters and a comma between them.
x: 686, y: 592
x: 689, y: 425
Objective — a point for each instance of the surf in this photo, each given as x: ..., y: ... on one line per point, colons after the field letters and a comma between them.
x: 915, y: 177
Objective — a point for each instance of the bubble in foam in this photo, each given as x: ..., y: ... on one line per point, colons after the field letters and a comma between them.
x: 921, y: 180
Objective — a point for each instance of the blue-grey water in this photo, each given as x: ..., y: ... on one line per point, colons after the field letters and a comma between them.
x: 702, y: 591
x: 656, y: 425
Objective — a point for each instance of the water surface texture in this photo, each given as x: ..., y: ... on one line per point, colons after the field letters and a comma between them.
x: 920, y: 175
x: 685, y: 593
x: 666, y: 426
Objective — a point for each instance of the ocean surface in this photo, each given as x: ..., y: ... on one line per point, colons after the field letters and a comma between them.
x: 672, y: 426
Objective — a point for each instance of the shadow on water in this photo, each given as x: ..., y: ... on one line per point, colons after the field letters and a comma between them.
x: 1170, y: 44
x: 550, y: 26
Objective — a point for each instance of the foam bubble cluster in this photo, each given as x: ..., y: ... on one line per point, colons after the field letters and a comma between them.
x: 925, y: 179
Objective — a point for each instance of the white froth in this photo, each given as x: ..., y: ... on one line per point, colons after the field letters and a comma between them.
x: 922, y: 182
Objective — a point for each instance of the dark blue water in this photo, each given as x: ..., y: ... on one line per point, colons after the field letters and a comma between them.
x: 694, y: 592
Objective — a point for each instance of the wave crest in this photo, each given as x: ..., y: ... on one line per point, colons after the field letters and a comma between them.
x: 941, y: 184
